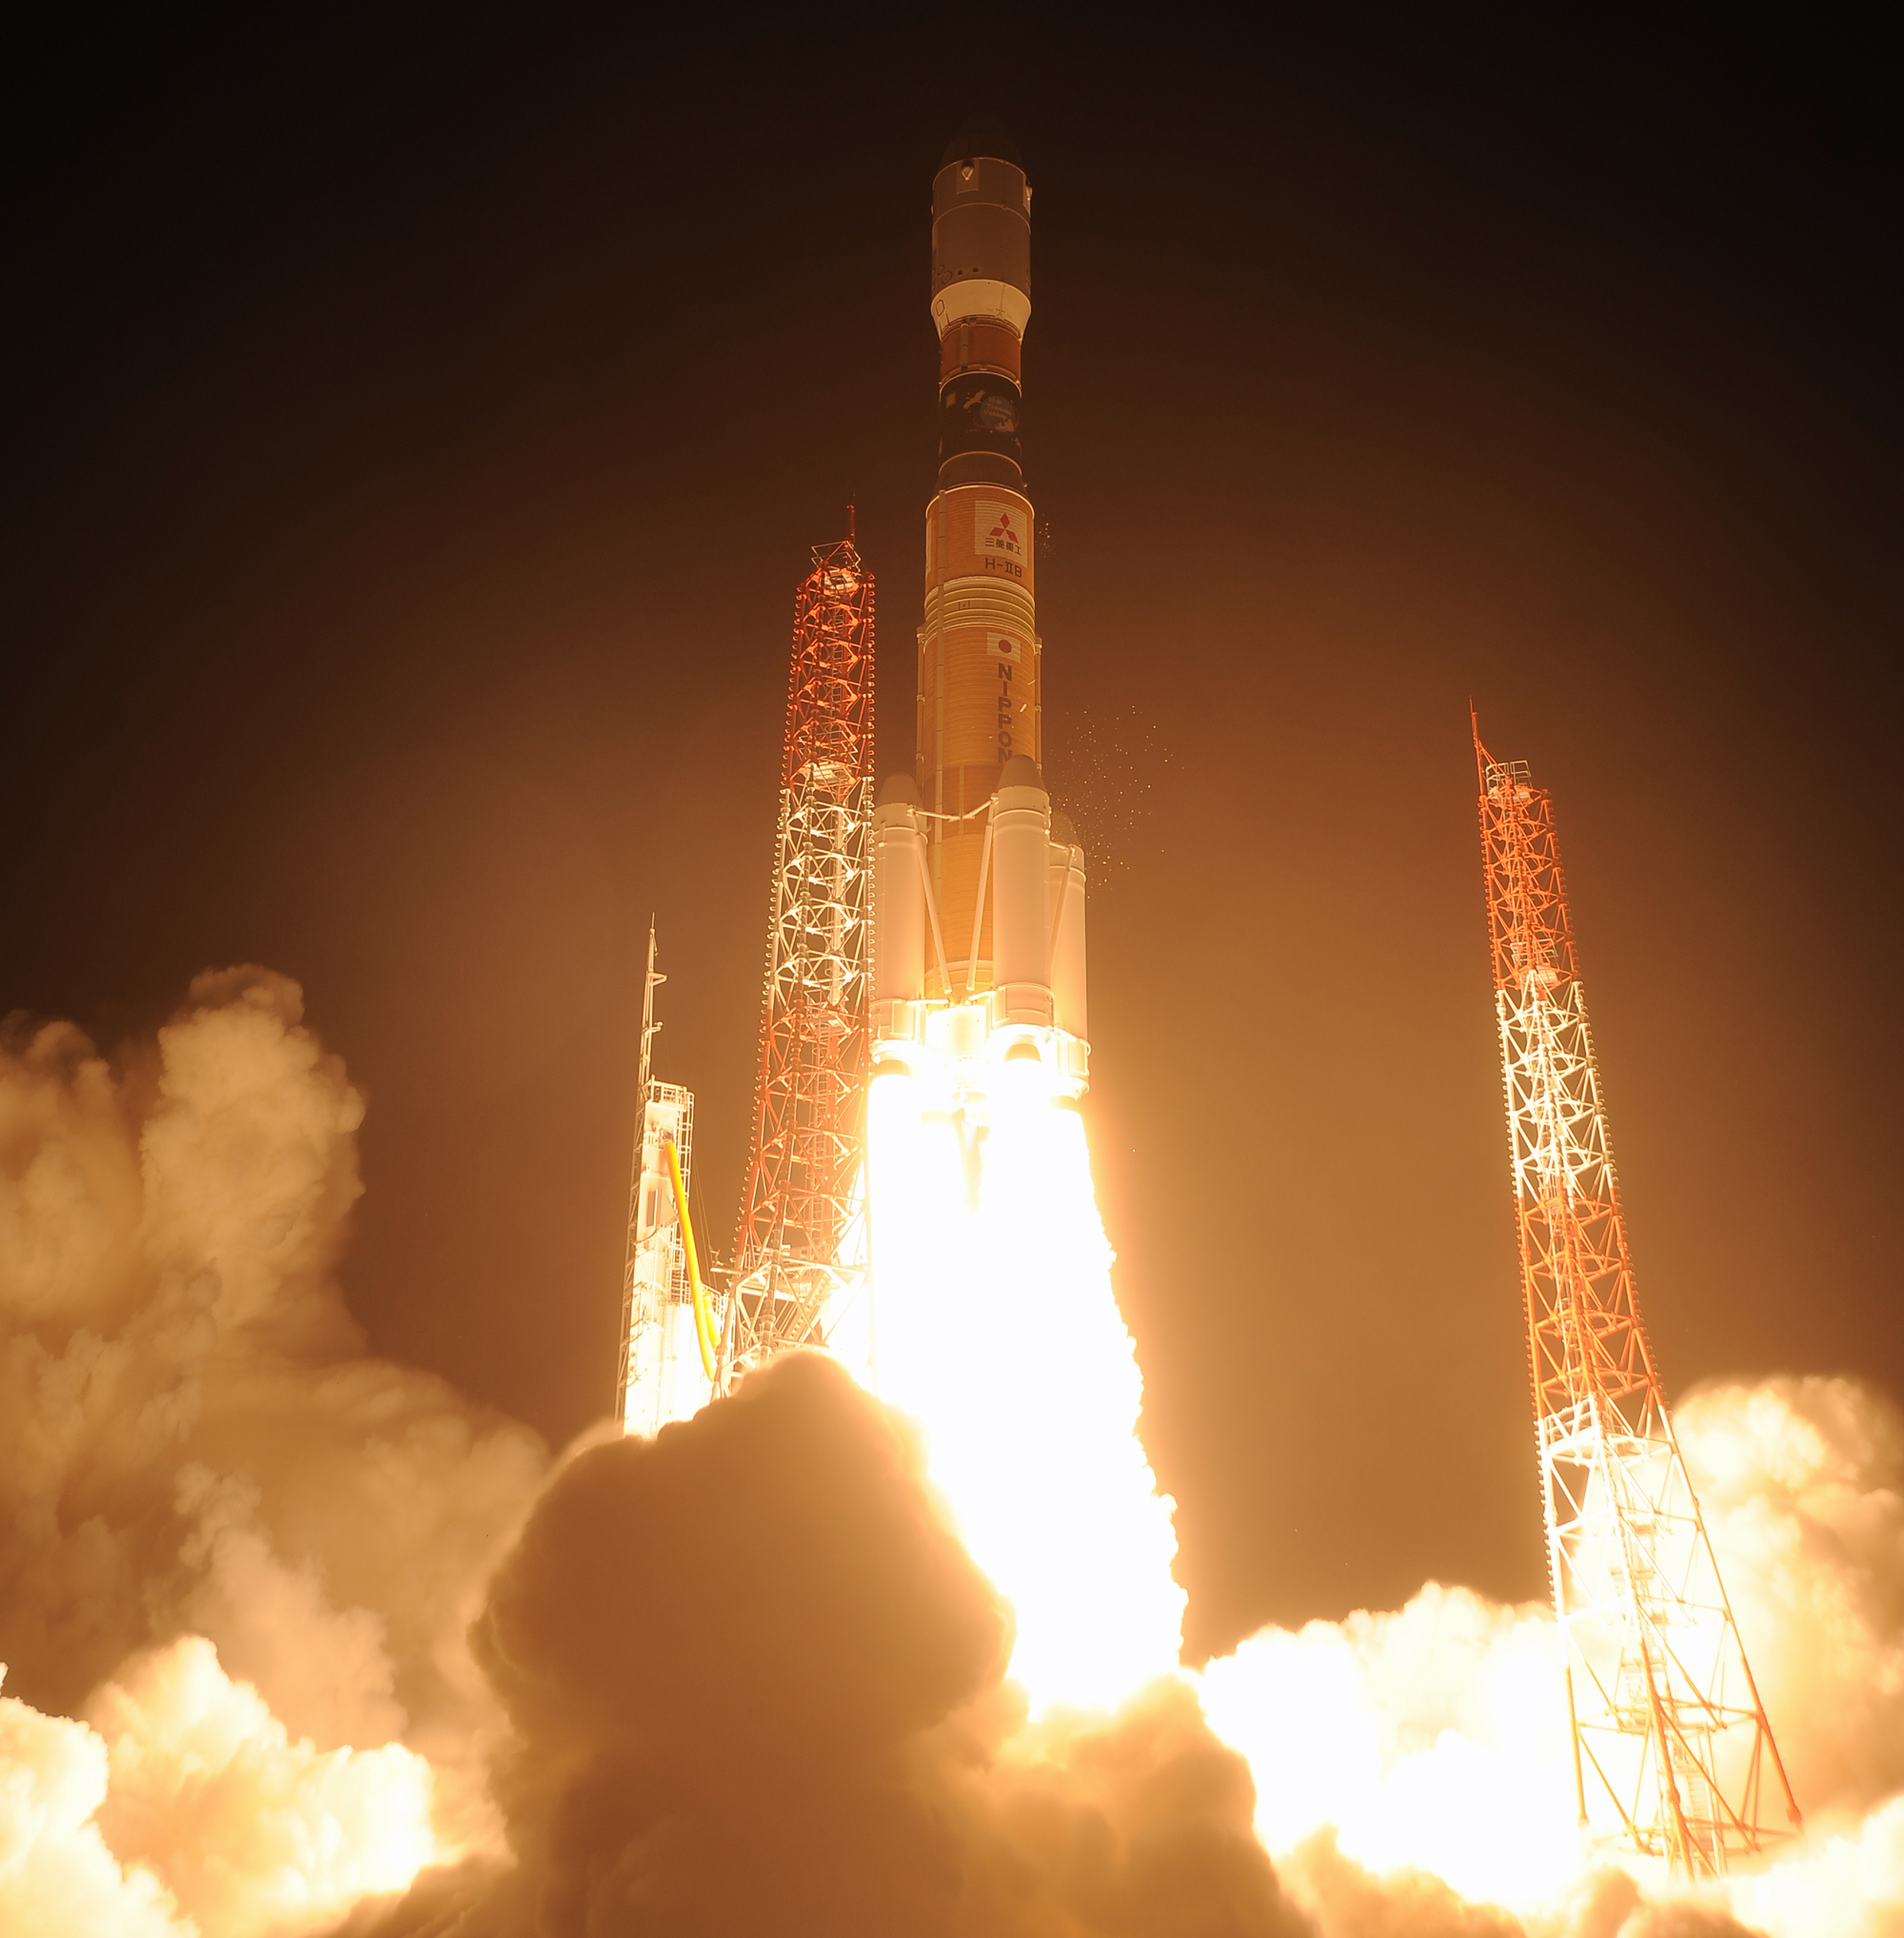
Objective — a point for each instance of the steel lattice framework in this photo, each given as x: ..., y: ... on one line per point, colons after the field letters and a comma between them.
x: 652, y: 1385
x: 800, y: 1248
x: 1670, y: 1741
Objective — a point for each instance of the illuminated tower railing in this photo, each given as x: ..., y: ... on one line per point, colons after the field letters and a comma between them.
x: 1671, y: 1750
x: 659, y: 1377
x: 800, y: 1249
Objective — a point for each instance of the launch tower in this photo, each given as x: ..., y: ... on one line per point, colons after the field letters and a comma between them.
x: 1670, y: 1747
x: 659, y: 1377
x: 800, y: 1247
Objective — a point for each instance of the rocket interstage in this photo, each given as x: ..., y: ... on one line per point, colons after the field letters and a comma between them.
x: 980, y: 895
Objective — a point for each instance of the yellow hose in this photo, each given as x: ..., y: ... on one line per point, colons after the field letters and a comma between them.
x: 703, y: 1323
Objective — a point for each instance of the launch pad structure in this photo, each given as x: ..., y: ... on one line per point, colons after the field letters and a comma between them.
x: 656, y: 1378
x: 1671, y: 1751
x: 986, y: 871
x: 971, y: 1009
x: 798, y: 1268
x: 799, y: 1244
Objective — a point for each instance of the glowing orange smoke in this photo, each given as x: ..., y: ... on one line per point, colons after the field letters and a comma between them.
x: 1389, y: 1751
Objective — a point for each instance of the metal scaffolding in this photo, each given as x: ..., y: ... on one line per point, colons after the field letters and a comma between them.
x: 800, y: 1248
x: 1670, y: 1747
x: 657, y: 1379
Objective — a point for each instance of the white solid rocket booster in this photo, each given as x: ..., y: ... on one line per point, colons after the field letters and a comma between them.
x: 1032, y: 875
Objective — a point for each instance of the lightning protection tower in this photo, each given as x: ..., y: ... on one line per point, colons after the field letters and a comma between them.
x: 1671, y: 1748
x: 799, y: 1274
x: 658, y: 1379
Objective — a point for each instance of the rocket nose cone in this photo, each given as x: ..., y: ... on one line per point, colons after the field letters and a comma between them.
x: 1021, y: 771
x: 897, y: 789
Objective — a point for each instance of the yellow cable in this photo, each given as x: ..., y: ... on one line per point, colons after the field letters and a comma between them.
x: 704, y: 1324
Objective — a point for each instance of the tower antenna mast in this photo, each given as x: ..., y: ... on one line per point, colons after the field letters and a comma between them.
x: 1671, y: 1750
x: 650, y: 983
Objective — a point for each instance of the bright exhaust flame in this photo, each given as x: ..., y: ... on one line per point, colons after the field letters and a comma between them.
x: 294, y: 1548
x: 999, y: 1331
x: 1432, y: 1739
x: 1407, y: 1765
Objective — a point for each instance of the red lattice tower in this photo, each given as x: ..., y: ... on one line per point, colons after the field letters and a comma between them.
x: 1671, y: 1751
x: 799, y: 1250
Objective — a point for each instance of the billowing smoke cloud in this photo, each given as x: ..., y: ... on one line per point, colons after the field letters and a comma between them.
x: 1802, y: 1485
x: 1434, y: 1738
x: 756, y: 1681
x: 1430, y: 1737
x: 57, y: 1873
x: 756, y: 1685
x: 254, y: 1832
x: 741, y: 1623
x: 194, y: 1445
x: 743, y: 1677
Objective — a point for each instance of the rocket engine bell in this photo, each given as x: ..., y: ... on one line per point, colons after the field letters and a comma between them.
x: 978, y: 949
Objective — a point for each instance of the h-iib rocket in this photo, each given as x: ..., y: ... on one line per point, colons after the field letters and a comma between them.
x: 979, y: 953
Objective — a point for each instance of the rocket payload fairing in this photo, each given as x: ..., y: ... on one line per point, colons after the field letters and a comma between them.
x: 978, y: 928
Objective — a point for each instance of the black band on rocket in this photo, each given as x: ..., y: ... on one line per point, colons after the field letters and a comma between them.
x: 980, y: 410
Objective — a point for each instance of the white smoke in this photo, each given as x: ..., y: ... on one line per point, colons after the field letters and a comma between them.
x: 239, y: 1558
x: 245, y: 1551
x: 254, y: 1834
x: 1802, y: 1485
x: 1429, y: 1738
x: 1844, y: 1884
x: 57, y: 1873
x: 185, y: 1806
x: 1409, y: 1764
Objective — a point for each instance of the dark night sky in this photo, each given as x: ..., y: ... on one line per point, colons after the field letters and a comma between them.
x: 414, y: 436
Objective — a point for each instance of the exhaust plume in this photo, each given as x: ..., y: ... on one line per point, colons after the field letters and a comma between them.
x: 756, y: 1682
x: 745, y: 1675
x: 1434, y: 1738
